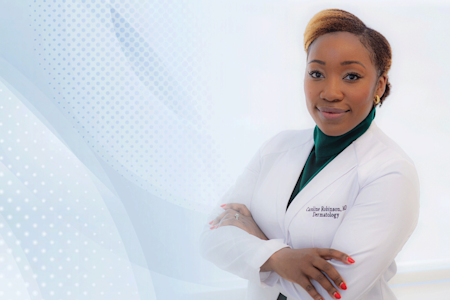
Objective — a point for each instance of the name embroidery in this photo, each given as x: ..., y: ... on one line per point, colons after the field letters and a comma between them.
x: 326, y: 211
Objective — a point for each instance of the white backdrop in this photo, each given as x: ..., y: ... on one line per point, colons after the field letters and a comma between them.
x: 257, y: 62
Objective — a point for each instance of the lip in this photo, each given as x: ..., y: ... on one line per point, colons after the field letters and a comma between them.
x: 331, y: 109
x: 331, y: 113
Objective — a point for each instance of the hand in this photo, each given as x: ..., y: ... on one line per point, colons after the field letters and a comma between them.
x: 245, y: 220
x: 302, y: 265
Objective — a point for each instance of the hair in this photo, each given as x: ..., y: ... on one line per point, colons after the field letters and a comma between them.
x: 334, y: 20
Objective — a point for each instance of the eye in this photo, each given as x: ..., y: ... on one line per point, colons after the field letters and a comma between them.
x: 315, y: 74
x: 352, y: 76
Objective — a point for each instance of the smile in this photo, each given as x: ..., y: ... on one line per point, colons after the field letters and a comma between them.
x: 332, y: 115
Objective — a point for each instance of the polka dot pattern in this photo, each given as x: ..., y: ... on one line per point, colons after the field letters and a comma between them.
x: 57, y: 239
x: 129, y: 75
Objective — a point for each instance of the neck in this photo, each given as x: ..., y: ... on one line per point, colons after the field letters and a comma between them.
x: 327, y: 146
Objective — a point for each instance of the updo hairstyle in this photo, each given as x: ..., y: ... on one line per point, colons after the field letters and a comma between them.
x: 333, y: 20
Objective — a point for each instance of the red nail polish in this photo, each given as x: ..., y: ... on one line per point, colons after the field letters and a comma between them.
x: 337, y: 295
x: 343, y: 286
x: 212, y: 227
x: 350, y: 260
x: 211, y: 222
x: 222, y: 205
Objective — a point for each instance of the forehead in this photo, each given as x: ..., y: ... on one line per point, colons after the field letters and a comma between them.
x: 339, y: 46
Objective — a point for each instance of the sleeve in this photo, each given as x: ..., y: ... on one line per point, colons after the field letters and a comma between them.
x: 231, y: 248
x: 377, y: 226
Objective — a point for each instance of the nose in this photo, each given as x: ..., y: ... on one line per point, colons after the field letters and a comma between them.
x: 332, y: 90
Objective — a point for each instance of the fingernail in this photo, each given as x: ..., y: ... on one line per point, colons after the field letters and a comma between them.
x: 212, y: 227
x: 222, y: 205
x: 350, y: 260
x: 343, y: 286
x: 337, y: 295
x: 211, y: 222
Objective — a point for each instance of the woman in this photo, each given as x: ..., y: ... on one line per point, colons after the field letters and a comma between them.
x: 354, y: 193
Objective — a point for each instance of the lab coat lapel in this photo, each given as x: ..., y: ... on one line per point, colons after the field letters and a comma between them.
x: 339, y: 166
x: 288, y: 170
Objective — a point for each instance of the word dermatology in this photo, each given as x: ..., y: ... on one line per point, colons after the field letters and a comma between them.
x: 327, y: 210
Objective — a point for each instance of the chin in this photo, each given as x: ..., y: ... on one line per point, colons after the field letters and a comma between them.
x: 331, y: 129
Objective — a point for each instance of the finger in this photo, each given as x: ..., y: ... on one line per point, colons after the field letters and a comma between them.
x: 309, y: 287
x: 222, y: 215
x: 241, y: 208
x: 318, y: 276
x: 226, y: 222
x: 227, y: 214
x: 328, y: 253
x: 334, y: 275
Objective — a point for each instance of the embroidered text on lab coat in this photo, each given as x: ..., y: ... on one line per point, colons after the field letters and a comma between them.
x: 326, y: 211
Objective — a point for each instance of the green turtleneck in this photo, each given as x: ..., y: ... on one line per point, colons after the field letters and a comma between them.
x: 325, y: 149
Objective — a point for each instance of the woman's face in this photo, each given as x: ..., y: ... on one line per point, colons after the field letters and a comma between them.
x: 340, y: 82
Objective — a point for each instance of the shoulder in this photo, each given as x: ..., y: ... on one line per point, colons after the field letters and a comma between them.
x: 379, y: 155
x: 285, y: 140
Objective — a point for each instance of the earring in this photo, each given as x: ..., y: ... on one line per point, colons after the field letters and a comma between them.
x: 377, y: 100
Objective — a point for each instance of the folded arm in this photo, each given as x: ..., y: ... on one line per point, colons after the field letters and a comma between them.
x: 231, y: 248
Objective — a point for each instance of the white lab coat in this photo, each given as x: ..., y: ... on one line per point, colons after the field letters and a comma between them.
x: 373, y: 187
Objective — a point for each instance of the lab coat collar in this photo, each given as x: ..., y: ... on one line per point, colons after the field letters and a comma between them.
x: 292, y: 164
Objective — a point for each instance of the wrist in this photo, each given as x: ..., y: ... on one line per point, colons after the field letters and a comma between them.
x: 272, y: 261
x: 264, y: 237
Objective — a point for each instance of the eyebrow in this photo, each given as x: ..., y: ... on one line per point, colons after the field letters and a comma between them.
x: 347, y: 62
x: 317, y: 61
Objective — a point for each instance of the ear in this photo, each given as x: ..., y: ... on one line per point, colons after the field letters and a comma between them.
x: 381, y: 85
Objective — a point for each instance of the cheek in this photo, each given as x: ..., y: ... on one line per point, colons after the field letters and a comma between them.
x: 359, y: 95
x: 311, y: 91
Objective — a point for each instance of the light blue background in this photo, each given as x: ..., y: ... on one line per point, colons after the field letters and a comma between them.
x: 123, y: 122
